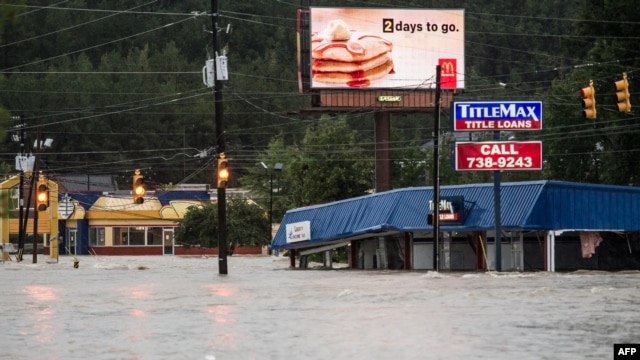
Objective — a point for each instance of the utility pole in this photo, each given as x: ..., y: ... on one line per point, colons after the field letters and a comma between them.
x: 270, y: 204
x: 26, y: 217
x: 21, y: 218
x: 36, y: 172
x: 497, y: 211
x: 436, y: 176
x: 219, y: 113
x: 24, y: 164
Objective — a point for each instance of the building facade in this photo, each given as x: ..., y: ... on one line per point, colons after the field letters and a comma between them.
x: 544, y: 226
x: 104, y: 223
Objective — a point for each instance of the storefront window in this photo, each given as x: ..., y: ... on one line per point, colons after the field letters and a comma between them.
x: 96, y: 236
x: 154, y: 236
x: 120, y: 236
x: 137, y: 236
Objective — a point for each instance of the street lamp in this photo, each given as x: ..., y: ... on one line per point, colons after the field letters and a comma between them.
x: 277, y: 167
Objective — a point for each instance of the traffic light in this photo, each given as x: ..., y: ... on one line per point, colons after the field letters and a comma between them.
x: 223, y: 171
x: 589, y: 101
x: 42, y: 194
x: 138, y: 187
x: 622, y: 92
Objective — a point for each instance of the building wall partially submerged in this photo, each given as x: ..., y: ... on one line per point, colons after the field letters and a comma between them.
x: 104, y: 223
x: 544, y: 226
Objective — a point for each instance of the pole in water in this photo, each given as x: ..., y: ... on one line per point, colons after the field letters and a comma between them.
x: 436, y: 176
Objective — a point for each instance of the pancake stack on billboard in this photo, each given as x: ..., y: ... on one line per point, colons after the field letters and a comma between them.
x: 372, y: 48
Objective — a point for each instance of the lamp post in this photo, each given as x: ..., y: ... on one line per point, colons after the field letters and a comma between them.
x: 277, y: 167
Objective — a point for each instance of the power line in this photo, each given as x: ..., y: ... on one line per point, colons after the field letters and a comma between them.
x: 71, y: 27
x: 262, y: 109
x: 70, y: 9
x: 95, y: 46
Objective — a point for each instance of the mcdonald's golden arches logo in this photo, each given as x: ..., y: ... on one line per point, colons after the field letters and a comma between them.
x: 448, y: 68
x: 448, y: 73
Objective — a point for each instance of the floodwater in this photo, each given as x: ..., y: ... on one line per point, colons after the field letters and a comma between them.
x: 167, y: 307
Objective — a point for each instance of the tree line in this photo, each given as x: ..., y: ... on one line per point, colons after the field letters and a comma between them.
x: 118, y: 86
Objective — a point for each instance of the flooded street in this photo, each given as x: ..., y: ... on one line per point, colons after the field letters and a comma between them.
x: 167, y: 307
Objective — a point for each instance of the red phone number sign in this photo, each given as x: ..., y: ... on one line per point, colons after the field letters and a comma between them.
x: 498, y: 155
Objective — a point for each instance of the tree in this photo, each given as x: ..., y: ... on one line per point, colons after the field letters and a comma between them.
x: 601, y: 150
x: 7, y: 14
x: 329, y: 165
x: 333, y: 166
x: 568, y: 160
x: 129, y: 94
x: 258, y: 179
x: 247, y: 225
x: 198, y: 227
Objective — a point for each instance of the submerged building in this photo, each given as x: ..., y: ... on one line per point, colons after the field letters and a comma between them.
x: 545, y: 226
x: 84, y: 222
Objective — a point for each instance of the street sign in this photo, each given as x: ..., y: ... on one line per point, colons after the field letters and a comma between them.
x: 498, y: 155
x: 65, y: 207
x: 25, y: 162
x: 497, y: 115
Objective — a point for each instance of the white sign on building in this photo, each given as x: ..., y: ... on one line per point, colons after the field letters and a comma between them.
x: 299, y: 231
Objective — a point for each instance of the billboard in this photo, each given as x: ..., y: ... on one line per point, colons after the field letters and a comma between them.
x: 385, y: 48
x: 497, y: 115
x: 498, y: 155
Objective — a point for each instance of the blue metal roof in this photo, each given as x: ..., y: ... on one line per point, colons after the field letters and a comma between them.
x: 532, y: 205
x: 86, y: 199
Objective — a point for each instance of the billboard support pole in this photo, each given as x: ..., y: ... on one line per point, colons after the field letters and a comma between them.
x: 436, y: 176
x: 497, y: 212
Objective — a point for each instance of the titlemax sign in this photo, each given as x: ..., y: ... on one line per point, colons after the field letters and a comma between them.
x: 490, y: 116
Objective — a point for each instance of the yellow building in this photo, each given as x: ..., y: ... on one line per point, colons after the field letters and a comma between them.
x: 95, y: 222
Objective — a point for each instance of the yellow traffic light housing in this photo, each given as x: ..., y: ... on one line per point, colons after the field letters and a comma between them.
x: 622, y: 93
x: 138, y: 187
x: 588, y: 101
x: 42, y: 194
x: 223, y: 171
